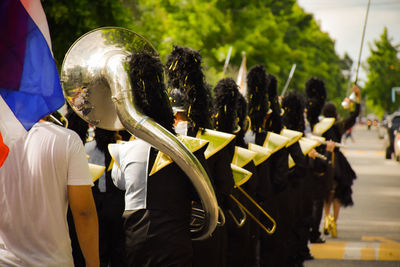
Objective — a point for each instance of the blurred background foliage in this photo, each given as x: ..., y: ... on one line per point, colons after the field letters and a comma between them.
x: 276, y: 33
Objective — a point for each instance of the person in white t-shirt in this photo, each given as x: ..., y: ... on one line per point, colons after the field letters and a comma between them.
x: 45, y: 170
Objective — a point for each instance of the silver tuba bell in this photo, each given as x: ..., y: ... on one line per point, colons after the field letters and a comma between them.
x: 96, y: 84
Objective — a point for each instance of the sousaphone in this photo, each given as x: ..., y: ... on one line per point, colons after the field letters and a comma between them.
x: 96, y: 84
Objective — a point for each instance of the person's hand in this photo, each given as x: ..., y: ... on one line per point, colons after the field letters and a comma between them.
x: 330, y: 146
x: 357, y: 91
x: 312, y: 154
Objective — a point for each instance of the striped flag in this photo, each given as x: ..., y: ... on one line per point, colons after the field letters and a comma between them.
x: 29, y: 83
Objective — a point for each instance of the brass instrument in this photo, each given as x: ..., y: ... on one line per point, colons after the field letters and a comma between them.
x: 241, y: 158
x: 96, y: 84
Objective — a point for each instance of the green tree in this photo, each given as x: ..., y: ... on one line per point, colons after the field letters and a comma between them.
x: 271, y: 32
x: 69, y: 19
x: 383, y: 74
x: 274, y: 33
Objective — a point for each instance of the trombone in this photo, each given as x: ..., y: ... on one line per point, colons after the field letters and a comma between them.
x: 241, y: 158
x: 218, y: 140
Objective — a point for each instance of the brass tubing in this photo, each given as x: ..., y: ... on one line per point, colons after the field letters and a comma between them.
x: 268, y: 231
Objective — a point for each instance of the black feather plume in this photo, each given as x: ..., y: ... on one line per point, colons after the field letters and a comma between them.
x: 148, y: 88
x: 185, y: 73
x: 316, y: 96
x: 257, y: 97
x: 293, y: 106
x: 274, y: 122
x: 226, y: 102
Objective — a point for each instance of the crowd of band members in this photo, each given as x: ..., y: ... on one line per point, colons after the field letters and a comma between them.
x: 154, y: 231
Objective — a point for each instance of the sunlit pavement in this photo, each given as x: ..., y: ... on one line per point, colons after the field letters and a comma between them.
x: 368, y: 232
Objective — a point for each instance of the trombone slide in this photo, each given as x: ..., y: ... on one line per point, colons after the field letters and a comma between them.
x: 268, y: 231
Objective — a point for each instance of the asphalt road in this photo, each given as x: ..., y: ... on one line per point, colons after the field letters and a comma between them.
x: 368, y: 232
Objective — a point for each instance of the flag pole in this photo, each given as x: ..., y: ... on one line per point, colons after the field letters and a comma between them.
x: 288, y: 80
x: 362, y: 41
x: 241, y: 79
x: 228, y: 57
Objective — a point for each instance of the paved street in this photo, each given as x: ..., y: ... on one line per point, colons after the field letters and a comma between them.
x: 368, y: 232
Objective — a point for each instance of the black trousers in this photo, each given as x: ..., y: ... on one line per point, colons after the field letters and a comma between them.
x: 109, y: 206
x: 273, y: 248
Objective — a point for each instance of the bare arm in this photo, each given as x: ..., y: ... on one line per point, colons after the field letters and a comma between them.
x: 85, y: 220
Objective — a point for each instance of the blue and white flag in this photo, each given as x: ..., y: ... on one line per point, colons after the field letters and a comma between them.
x: 29, y: 83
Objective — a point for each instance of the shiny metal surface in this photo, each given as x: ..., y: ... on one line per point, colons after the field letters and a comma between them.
x: 96, y: 84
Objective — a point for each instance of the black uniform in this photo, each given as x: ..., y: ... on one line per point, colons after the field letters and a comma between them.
x: 159, y: 234
x: 297, y: 176
x: 273, y: 248
x: 213, y: 251
x: 343, y: 174
x: 320, y: 184
x: 109, y: 202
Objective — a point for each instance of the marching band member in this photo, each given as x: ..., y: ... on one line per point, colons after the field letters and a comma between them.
x: 241, y: 241
x: 293, y: 119
x: 157, y: 207
x: 264, y: 111
x: 343, y: 174
x: 257, y: 98
x: 109, y: 200
x: 316, y: 96
x: 186, y: 82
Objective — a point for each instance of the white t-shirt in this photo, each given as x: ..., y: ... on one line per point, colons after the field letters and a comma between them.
x: 131, y: 172
x: 33, y: 196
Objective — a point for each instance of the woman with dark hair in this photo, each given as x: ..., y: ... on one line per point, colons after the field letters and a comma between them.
x: 340, y: 194
x: 157, y: 207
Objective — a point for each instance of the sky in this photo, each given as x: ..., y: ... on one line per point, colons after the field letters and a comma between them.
x: 344, y: 20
